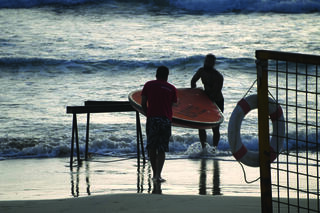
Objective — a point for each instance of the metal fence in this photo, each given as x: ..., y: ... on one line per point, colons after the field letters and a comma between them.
x: 291, y: 182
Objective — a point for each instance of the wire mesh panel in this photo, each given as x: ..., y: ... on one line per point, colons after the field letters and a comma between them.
x: 293, y: 82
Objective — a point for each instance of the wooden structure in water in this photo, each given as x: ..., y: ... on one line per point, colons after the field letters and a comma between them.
x: 101, y: 107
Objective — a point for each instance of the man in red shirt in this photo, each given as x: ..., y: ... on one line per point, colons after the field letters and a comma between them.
x: 158, y: 96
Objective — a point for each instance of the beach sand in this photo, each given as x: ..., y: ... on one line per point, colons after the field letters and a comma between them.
x: 110, y: 184
x: 140, y: 203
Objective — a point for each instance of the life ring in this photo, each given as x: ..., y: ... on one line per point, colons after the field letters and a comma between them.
x: 238, y: 149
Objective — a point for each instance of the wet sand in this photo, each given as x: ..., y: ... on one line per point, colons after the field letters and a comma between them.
x: 32, y: 179
x: 109, y: 184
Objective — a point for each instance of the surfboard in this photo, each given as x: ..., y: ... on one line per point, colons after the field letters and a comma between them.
x: 193, y: 110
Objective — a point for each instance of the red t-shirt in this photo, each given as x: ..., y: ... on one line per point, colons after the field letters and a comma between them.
x: 160, y: 97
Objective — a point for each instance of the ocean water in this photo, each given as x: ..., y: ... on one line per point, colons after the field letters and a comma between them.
x: 58, y: 53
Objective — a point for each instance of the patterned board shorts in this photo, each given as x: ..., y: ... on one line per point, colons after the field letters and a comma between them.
x: 158, y: 133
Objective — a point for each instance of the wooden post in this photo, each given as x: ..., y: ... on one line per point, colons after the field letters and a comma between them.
x: 138, y: 138
x: 87, y: 136
x: 142, y: 147
x: 77, y: 137
x: 264, y: 145
x: 72, y: 139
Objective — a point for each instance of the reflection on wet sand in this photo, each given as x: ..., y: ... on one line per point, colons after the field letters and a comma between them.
x: 145, y: 184
x: 143, y: 171
x: 156, y: 188
x: 216, y: 190
x: 75, y: 179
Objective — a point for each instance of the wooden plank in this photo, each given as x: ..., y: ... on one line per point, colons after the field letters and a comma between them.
x: 106, y: 103
x: 285, y: 56
x: 264, y: 145
x: 100, y: 108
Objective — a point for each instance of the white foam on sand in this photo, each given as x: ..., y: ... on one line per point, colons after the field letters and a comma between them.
x: 195, y: 150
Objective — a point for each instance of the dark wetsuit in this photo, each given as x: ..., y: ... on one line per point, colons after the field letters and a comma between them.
x: 212, y: 81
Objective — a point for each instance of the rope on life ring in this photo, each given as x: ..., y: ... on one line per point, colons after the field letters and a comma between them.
x: 238, y: 149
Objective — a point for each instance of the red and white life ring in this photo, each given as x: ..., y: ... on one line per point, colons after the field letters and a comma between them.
x: 238, y: 149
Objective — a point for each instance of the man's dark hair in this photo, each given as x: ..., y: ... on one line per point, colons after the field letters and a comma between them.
x: 209, y: 61
x: 162, y: 73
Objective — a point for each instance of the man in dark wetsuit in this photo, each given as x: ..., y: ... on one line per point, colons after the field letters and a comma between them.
x: 212, y: 81
x: 158, y: 96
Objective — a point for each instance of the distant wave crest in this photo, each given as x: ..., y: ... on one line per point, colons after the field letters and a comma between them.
x: 36, y: 3
x: 211, y: 6
x: 221, y: 6
x: 13, y: 65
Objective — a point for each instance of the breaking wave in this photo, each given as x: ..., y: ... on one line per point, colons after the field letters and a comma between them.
x: 211, y: 6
